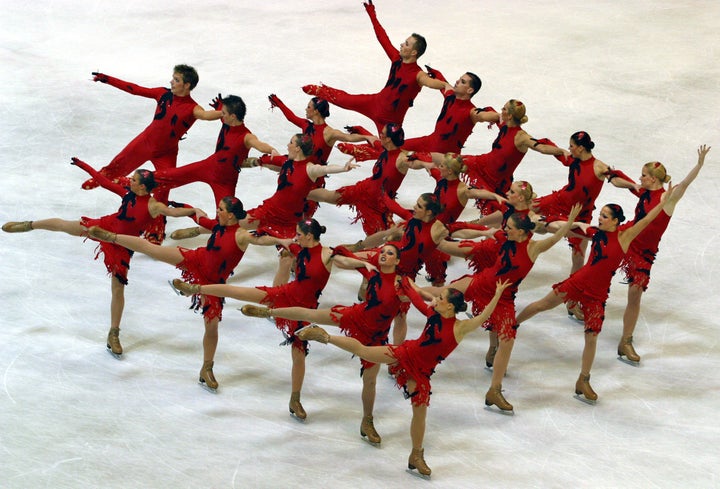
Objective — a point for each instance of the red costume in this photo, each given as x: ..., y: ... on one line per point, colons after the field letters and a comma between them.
x: 212, y: 264
x: 369, y: 321
x: 494, y: 170
x: 485, y: 252
x: 279, y: 214
x: 583, y: 186
x: 642, y: 252
x: 417, y: 359
x: 396, y: 97
x: 220, y: 170
x: 513, y: 264
x: 366, y: 196
x: 311, y: 276
x: 158, y: 143
x: 321, y: 149
x: 452, y: 128
x: 132, y: 218
x: 447, y: 193
x: 590, y: 285
x: 416, y: 246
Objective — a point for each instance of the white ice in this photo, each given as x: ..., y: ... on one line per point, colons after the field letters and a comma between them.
x: 640, y: 76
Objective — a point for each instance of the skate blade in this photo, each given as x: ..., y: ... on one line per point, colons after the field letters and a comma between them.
x: 584, y: 399
x: 175, y: 289
x: 117, y: 356
x: 575, y: 318
x: 629, y: 362
x: 207, y: 388
x: 497, y: 410
x: 417, y: 474
x: 366, y: 440
x: 297, y: 418
x: 489, y: 368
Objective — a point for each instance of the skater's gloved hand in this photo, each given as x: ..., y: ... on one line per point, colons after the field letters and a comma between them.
x: 433, y: 73
x: 99, y: 77
x: 369, y: 7
x: 274, y: 100
x: 216, y: 103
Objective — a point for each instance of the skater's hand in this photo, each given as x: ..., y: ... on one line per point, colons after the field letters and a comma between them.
x: 274, y: 100
x: 216, y: 103
x: 99, y: 77
x: 369, y: 7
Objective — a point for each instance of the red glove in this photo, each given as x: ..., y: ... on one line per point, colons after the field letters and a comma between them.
x: 433, y: 73
x: 369, y: 7
x: 216, y: 103
x: 99, y: 77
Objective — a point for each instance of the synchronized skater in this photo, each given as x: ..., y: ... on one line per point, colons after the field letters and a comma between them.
x: 497, y: 244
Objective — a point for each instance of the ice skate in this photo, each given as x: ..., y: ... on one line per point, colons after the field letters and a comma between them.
x: 575, y: 311
x: 494, y: 397
x: 206, y: 378
x: 102, y: 234
x: 313, y: 333
x: 113, y: 342
x: 17, y: 227
x: 583, y: 391
x: 367, y: 431
x: 416, y: 461
x: 184, y: 288
x: 185, y: 233
x: 256, y: 311
x: 626, y: 352
x: 296, y: 409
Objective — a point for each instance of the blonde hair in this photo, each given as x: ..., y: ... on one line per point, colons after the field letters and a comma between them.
x: 526, y: 191
x: 454, y: 162
x: 657, y: 170
x: 516, y: 109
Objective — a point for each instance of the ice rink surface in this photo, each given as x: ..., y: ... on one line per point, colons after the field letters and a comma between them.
x: 642, y: 77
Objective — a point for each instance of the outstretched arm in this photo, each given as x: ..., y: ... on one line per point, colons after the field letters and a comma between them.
x: 545, y: 244
x: 101, y: 179
x: 289, y: 114
x: 253, y: 142
x: 463, y: 327
x: 681, y: 187
x: 128, y: 87
x: 627, y: 236
x: 317, y: 171
x: 380, y: 33
x: 158, y: 208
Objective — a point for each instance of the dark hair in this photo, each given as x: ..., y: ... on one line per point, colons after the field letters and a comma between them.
x: 475, y: 83
x: 420, y: 44
x: 188, y: 73
x: 235, y: 105
x: 457, y: 299
x: 305, y: 143
x: 522, y: 221
x: 617, y: 212
x: 394, y: 244
x: 396, y: 133
x: 234, y: 206
x: 322, y: 106
x: 311, y: 226
x: 432, y: 203
x: 581, y: 138
x: 147, y: 178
